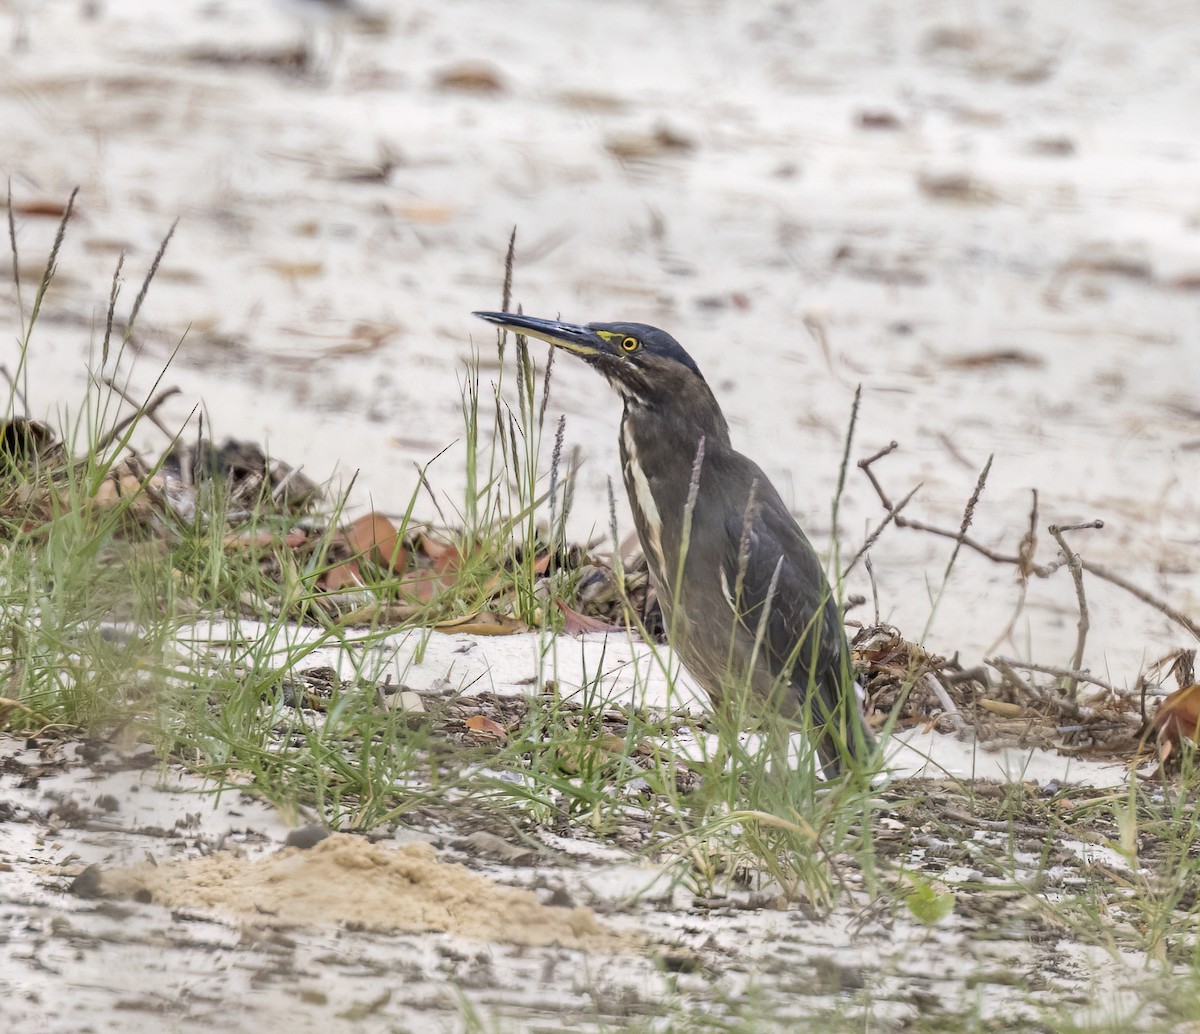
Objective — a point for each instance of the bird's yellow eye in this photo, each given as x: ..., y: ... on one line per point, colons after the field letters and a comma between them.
x: 630, y: 344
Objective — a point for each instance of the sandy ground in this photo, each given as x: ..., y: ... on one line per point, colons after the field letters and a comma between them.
x: 988, y: 217
x: 207, y: 920
x: 135, y: 901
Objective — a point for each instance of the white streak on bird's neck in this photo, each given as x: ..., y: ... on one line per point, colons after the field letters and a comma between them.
x: 643, y: 499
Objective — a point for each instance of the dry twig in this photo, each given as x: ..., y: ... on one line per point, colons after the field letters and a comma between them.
x: 1076, y: 567
x: 147, y: 409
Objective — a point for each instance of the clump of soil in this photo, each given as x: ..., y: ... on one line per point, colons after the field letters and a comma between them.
x: 346, y: 879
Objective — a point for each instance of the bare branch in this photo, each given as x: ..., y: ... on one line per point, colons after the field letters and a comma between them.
x: 1059, y: 673
x: 1146, y: 597
x: 1076, y: 567
x: 146, y: 409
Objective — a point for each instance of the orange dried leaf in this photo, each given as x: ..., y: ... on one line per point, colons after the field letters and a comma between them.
x: 40, y: 207
x: 1177, y: 718
x: 484, y: 726
x: 374, y: 536
x: 344, y: 576
x: 432, y: 548
x: 448, y: 560
x: 421, y: 586
x: 575, y: 623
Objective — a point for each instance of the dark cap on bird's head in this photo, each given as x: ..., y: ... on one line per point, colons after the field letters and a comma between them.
x: 638, y: 360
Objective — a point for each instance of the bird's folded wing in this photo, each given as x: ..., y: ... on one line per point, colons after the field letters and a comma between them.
x: 774, y: 581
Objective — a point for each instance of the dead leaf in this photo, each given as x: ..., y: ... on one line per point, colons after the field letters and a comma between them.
x: 996, y: 357
x: 379, y: 614
x: 40, y: 207
x: 1177, y: 718
x: 662, y: 141
x: 486, y: 728
x: 375, y: 537
x: 575, y: 623
x: 470, y: 77
x: 484, y: 623
x: 422, y: 586
x: 432, y: 548
x: 343, y: 576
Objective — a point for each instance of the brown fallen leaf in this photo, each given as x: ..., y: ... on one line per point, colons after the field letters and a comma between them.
x: 431, y: 547
x: 663, y: 140
x: 1177, y: 718
x: 575, y: 623
x: 342, y: 576
x: 483, y: 623
x: 375, y: 537
x: 379, y: 614
x: 40, y: 207
x: 422, y: 586
x: 471, y: 77
x: 996, y: 357
x: 486, y: 728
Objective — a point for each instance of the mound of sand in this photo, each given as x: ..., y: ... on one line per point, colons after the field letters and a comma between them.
x: 346, y: 879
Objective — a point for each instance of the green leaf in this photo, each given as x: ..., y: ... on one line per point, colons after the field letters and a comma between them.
x: 929, y: 903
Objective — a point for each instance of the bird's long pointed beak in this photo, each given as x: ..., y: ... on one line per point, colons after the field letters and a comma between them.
x: 574, y: 337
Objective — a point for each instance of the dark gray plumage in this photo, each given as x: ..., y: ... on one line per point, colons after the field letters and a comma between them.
x: 751, y: 603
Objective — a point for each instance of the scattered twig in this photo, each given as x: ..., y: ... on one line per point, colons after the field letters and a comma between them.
x: 969, y: 514
x: 915, y: 525
x: 893, y: 514
x: 865, y: 467
x: 1025, y: 567
x: 1078, y: 675
x: 149, y: 413
x: 930, y: 681
x: 976, y: 674
x: 1075, y: 565
x: 1009, y: 826
x: 1010, y: 676
x: 146, y: 409
x: 1146, y: 597
x: 1023, y: 561
x: 277, y: 491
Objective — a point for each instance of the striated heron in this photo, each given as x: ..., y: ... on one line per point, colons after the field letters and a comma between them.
x: 744, y: 597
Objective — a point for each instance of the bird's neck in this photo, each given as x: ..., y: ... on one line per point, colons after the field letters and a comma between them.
x: 675, y: 425
x: 655, y: 443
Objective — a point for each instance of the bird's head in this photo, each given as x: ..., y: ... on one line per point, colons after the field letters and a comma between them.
x: 642, y: 363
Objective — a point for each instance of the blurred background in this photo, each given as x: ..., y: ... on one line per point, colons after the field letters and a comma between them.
x: 988, y: 215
